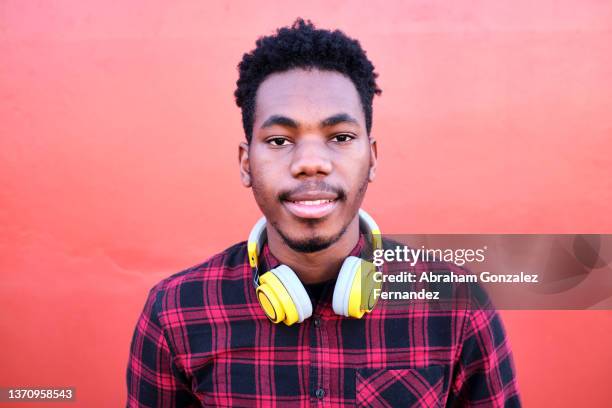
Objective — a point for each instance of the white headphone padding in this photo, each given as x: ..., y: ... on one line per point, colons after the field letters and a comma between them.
x: 342, y: 290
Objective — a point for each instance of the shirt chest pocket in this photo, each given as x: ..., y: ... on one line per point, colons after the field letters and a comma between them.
x: 410, y: 387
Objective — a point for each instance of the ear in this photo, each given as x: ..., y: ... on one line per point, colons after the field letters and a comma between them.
x: 243, y: 162
x: 373, y: 159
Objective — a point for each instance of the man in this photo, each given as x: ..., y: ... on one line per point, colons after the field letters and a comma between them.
x: 207, y: 335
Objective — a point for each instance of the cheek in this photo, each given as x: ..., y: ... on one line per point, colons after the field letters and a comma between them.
x: 268, y: 168
x: 356, y: 175
x: 263, y: 185
x: 259, y: 188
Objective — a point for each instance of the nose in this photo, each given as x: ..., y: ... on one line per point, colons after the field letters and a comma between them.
x: 311, y: 158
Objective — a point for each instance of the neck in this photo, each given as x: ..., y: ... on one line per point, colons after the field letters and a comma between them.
x: 317, y: 266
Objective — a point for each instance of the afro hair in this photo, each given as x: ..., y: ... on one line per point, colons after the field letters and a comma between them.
x: 304, y: 46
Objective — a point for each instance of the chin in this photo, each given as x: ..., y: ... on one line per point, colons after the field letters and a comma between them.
x: 312, y: 244
x: 309, y: 245
x: 316, y: 241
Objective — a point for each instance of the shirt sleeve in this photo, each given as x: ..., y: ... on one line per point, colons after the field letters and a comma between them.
x: 485, y: 373
x: 153, y: 379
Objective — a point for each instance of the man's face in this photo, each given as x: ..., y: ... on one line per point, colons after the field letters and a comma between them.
x: 310, y: 158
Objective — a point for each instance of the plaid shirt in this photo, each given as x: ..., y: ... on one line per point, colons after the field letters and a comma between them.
x: 203, y: 340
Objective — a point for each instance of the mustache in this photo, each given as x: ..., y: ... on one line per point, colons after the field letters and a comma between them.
x: 313, y: 186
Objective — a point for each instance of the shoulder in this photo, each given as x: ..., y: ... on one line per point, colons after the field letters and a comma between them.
x: 187, y: 287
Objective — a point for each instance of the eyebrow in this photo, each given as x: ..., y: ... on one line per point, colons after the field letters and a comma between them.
x: 285, y: 121
x: 281, y: 121
x: 337, y: 119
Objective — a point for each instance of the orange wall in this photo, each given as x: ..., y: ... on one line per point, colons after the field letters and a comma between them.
x: 118, y: 160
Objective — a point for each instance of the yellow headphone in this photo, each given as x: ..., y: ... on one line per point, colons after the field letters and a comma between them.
x: 283, y: 297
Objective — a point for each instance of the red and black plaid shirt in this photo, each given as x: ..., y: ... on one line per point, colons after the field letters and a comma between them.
x: 203, y: 340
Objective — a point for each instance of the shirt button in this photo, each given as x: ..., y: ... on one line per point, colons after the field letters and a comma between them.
x: 320, y: 393
x: 317, y: 323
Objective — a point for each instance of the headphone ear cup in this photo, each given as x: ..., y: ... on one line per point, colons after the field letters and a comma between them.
x: 297, y: 291
x: 283, y: 297
x: 347, y: 300
x: 342, y: 290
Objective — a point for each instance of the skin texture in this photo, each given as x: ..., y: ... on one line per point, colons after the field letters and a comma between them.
x: 309, y: 141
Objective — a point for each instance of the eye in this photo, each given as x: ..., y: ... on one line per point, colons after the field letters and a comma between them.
x: 279, y: 141
x: 342, y: 138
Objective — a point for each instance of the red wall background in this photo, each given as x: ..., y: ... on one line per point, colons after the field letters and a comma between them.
x: 118, y: 160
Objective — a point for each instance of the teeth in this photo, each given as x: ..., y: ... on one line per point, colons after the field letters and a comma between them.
x: 313, y: 202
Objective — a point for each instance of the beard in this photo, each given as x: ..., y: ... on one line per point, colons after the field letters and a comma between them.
x: 310, y: 244
x: 315, y: 242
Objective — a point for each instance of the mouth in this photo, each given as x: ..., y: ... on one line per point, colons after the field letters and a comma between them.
x: 311, y: 208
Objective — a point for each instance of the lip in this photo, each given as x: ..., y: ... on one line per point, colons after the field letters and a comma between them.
x: 312, y: 196
x: 312, y: 210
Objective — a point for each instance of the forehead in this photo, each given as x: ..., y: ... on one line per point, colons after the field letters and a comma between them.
x: 307, y: 96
